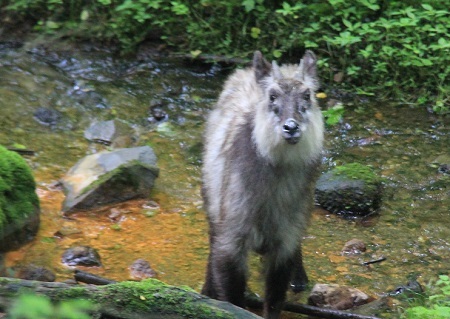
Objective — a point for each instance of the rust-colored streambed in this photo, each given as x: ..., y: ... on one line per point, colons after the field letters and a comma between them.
x: 169, y: 230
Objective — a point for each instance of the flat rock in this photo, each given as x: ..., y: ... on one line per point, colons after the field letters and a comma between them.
x: 109, y: 177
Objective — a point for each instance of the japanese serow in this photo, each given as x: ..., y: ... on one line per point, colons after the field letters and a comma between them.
x: 263, y: 146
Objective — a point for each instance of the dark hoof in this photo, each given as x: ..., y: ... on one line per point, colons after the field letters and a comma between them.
x: 298, y: 286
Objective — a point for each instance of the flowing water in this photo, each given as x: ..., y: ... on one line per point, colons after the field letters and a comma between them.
x: 412, y: 229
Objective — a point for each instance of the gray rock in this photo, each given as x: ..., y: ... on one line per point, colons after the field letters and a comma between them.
x: 141, y: 269
x: 46, y: 116
x: 351, y: 190
x: 443, y: 163
x: 354, y: 247
x: 109, y: 177
x: 81, y: 256
x: 110, y: 133
x: 33, y: 272
x: 336, y: 297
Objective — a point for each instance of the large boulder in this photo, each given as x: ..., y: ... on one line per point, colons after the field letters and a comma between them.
x: 351, y: 190
x: 19, y: 203
x: 109, y: 177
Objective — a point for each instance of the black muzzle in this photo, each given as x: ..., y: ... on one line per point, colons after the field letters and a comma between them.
x: 291, y: 131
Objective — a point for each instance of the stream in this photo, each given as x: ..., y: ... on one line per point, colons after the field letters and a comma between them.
x: 405, y: 145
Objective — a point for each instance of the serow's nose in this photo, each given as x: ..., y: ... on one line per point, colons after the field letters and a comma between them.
x: 291, y: 131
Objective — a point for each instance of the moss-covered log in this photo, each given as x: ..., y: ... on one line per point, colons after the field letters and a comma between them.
x: 128, y: 300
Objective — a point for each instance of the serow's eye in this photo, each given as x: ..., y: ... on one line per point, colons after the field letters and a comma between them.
x: 272, y: 97
x: 307, y: 96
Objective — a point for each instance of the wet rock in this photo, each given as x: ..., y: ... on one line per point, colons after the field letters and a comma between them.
x: 19, y: 203
x: 443, y: 164
x: 351, y: 190
x: 88, y: 97
x: 412, y: 288
x: 81, y: 256
x: 67, y: 231
x: 115, y: 215
x: 46, y: 116
x: 336, y: 297
x: 109, y: 177
x: 112, y: 132
x: 374, y: 307
x: 33, y: 272
x: 354, y: 247
x: 141, y: 269
x: 157, y: 112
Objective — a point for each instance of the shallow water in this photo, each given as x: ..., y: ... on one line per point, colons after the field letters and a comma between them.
x: 412, y: 229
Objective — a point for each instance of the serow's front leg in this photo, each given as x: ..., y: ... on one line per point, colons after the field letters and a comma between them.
x: 227, y: 275
x: 299, y: 280
x: 277, y: 282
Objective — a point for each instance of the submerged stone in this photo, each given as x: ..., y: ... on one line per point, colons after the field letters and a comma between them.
x: 33, y: 272
x: 352, y: 190
x: 19, y: 203
x: 109, y: 177
x: 141, y: 269
x: 354, y: 247
x: 113, y: 132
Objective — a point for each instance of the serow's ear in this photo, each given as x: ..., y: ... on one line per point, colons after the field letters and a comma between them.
x: 261, y: 66
x: 308, y: 64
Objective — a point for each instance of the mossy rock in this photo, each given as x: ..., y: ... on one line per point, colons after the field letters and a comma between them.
x: 19, y: 203
x: 351, y: 190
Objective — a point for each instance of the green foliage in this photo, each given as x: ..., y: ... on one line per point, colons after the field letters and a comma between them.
x: 29, y: 306
x: 435, y: 306
x: 394, y: 49
x: 334, y: 114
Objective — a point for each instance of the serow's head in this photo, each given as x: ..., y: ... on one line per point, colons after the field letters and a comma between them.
x: 289, y: 94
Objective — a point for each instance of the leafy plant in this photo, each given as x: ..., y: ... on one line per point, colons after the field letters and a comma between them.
x: 396, y: 49
x: 29, y: 306
x: 435, y: 306
x: 334, y: 114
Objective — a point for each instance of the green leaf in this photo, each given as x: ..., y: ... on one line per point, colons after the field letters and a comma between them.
x: 427, y: 7
x: 347, y: 23
x: 254, y: 32
x: 195, y: 53
x: 249, y: 5
x: 84, y: 15
x: 52, y: 25
x: 277, y: 53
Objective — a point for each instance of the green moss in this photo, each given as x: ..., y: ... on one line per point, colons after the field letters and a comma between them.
x: 352, y: 189
x: 149, y: 296
x: 358, y: 171
x: 161, y: 298
x: 18, y: 198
